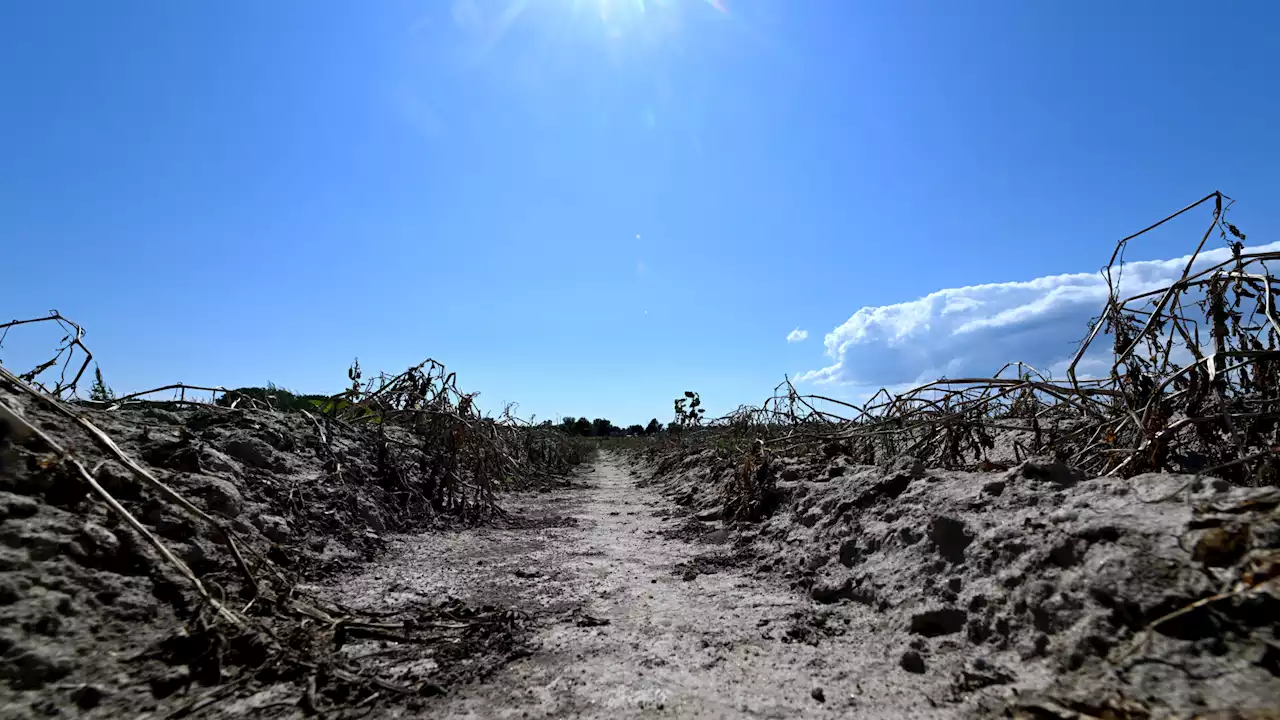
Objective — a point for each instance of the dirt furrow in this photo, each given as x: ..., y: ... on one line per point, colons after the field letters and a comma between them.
x: 633, y: 621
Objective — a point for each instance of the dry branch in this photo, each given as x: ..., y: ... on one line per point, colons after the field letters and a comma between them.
x: 1194, y: 384
x: 433, y: 450
x: 63, y: 357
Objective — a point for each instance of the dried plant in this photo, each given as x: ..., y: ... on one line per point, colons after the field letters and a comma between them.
x: 1193, y: 386
x: 437, y: 451
x: 253, y: 624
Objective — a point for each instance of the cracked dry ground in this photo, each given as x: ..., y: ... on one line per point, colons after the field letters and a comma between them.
x: 631, y: 620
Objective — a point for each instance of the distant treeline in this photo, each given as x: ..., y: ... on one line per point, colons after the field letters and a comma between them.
x: 276, y: 397
x: 600, y: 427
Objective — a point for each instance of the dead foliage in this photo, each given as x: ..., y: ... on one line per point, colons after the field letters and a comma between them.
x: 436, y: 450
x: 71, y: 355
x: 436, y: 454
x: 752, y: 492
x: 1193, y: 386
x: 255, y: 627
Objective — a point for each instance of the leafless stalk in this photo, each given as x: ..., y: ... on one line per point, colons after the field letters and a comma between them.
x: 1194, y: 382
x: 63, y: 358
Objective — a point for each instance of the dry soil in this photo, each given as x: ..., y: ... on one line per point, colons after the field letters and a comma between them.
x: 634, y: 621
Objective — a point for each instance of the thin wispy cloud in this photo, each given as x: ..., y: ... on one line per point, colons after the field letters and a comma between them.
x: 797, y: 335
x: 972, y: 331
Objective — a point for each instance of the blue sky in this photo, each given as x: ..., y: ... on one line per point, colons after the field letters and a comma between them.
x: 590, y: 207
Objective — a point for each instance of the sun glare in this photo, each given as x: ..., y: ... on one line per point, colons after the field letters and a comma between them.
x: 614, y: 19
x: 612, y: 8
x: 616, y: 16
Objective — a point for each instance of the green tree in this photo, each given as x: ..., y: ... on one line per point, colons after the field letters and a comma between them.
x: 635, y: 430
x: 601, y: 427
x: 582, y: 426
x: 272, y: 396
x: 100, y: 392
x: 653, y: 427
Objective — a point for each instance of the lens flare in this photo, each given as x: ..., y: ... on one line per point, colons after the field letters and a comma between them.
x: 614, y: 19
x: 619, y: 15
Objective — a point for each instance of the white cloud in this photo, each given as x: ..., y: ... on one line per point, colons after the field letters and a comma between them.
x: 972, y: 331
x: 797, y: 335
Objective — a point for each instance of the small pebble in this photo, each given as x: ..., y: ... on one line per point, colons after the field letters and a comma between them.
x: 818, y: 694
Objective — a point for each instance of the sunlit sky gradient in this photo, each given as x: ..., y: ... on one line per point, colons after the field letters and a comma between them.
x: 590, y: 207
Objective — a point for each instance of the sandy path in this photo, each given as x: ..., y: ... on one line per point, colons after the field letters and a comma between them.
x: 708, y: 647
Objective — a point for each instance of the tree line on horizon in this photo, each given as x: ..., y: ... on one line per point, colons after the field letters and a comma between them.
x: 602, y: 427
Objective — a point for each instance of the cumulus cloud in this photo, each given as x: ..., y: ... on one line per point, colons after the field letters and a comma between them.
x: 972, y: 331
x: 797, y: 335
